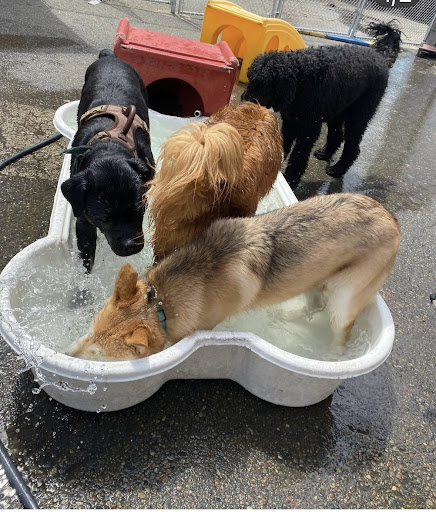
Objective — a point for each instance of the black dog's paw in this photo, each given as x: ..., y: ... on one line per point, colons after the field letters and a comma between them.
x: 321, y: 154
x: 87, y: 261
x: 433, y: 299
x: 336, y: 170
x: 81, y: 298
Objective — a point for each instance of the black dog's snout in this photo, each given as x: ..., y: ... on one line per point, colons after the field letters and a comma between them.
x: 132, y: 246
x: 126, y: 246
x: 247, y: 97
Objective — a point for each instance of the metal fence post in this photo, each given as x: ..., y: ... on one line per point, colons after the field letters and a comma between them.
x: 357, y: 16
x: 273, y: 13
x: 173, y: 6
x: 279, y: 8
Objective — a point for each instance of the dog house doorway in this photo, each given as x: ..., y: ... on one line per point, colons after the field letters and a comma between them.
x: 174, y: 97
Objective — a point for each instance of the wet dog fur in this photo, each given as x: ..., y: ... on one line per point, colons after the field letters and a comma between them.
x: 338, y: 85
x: 344, y: 243
x: 106, y: 192
x: 220, y: 168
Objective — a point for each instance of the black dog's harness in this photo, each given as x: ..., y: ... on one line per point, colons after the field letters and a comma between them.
x: 123, y: 130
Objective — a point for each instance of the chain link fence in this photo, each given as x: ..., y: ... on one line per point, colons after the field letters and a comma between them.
x: 350, y: 17
x: 344, y: 17
x: 266, y: 8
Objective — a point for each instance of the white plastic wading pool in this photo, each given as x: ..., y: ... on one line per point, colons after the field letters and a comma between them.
x: 269, y: 372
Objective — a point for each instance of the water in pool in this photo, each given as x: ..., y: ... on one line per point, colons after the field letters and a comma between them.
x: 46, y: 305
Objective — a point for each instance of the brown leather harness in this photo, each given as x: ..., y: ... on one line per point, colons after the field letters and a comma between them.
x: 123, y: 130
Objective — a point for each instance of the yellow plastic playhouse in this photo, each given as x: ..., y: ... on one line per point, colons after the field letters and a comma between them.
x: 247, y: 34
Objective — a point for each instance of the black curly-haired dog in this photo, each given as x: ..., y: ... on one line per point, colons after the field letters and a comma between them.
x: 109, y: 168
x: 338, y: 85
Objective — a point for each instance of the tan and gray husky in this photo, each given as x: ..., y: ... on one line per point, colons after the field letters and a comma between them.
x: 345, y: 243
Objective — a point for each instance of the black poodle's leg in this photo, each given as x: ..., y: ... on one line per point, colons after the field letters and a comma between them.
x: 335, y: 137
x: 289, y: 134
x: 299, y: 157
x: 357, y: 118
x: 86, y: 241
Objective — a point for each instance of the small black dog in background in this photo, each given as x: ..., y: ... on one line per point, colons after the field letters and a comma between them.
x: 108, y: 174
x: 338, y: 85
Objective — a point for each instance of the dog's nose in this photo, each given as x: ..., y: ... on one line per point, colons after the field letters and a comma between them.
x: 127, y: 246
x: 132, y: 246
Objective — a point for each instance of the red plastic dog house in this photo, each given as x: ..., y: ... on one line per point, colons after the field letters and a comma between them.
x: 183, y: 77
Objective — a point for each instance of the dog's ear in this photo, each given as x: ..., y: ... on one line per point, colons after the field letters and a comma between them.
x: 285, y: 88
x: 138, y: 337
x: 126, y: 284
x: 74, y: 190
x: 276, y: 78
x: 144, y: 169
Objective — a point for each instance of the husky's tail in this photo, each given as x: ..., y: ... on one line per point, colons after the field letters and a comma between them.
x: 387, y: 39
x: 197, y: 160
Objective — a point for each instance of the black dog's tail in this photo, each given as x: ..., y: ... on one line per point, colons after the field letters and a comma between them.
x: 106, y: 53
x: 387, y: 39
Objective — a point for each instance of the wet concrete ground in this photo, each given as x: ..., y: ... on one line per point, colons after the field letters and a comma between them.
x: 211, y: 444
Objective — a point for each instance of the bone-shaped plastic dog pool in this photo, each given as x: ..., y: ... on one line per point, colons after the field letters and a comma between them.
x: 39, y: 319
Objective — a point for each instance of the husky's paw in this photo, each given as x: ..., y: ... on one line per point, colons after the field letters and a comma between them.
x: 316, y: 301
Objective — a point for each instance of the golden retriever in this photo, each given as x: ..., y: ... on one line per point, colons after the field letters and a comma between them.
x: 220, y: 168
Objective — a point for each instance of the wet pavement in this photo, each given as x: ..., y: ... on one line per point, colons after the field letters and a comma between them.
x: 211, y: 444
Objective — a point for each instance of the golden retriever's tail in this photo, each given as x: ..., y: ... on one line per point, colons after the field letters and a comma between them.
x: 196, y: 162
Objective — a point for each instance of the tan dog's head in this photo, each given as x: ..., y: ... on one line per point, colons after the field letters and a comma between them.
x: 127, y: 327
x: 199, y: 167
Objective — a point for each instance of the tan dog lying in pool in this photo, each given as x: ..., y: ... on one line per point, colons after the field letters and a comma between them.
x: 345, y: 242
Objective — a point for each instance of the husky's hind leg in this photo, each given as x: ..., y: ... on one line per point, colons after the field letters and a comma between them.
x: 316, y: 301
x: 352, y: 289
x: 303, y: 306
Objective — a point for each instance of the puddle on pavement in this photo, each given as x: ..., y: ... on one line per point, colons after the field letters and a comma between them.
x: 389, y: 144
x: 30, y: 42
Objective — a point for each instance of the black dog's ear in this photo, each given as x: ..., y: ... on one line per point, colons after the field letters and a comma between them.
x: 74, y: 190
x: 144, y: 169
x: 286, y: 87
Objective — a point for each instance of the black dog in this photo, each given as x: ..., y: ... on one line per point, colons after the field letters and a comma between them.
x: 111, y: 161
x: 338, y: 85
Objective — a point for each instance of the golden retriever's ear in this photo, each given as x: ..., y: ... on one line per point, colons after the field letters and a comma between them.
x: 138, y: 337
x: 126, y: 283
